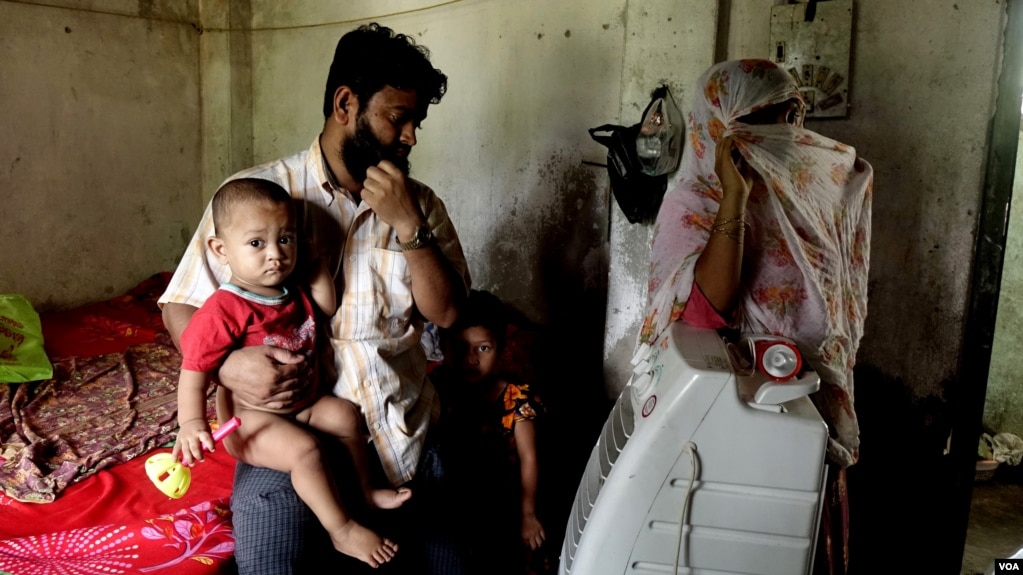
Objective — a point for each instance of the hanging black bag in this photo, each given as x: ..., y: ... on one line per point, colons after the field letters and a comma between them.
x: 638, y: 182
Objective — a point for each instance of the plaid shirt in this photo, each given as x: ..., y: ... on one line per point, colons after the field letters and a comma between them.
x: 378, y: 362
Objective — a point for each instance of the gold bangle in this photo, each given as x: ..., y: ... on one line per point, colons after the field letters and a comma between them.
x: 739, y: 219
x: 731, y: 227
x: 735, y: 233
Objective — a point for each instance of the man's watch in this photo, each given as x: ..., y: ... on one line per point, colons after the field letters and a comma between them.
x: 422, y: 238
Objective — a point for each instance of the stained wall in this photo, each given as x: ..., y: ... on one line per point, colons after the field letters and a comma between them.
x: 100, y: 146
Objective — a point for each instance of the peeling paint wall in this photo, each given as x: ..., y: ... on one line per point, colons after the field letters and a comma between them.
x: 668, y: 42
x: 100, y: 148
x: 921, y: 108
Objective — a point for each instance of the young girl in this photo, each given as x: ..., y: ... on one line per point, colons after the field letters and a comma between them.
x: 495, y: 419
x: 264, y: 304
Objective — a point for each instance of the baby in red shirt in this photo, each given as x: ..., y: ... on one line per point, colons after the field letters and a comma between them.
x: 262, y: 304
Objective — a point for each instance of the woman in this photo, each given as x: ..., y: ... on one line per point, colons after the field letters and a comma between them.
x: 768, y: 231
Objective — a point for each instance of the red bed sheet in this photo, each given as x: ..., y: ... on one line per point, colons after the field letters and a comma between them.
x: 115, y: 520
x: 118, y: 522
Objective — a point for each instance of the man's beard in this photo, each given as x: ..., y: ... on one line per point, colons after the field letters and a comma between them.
x: 364, y: 150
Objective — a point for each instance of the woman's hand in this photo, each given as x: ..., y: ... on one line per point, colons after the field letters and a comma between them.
x: 532, y: 531
x: 718, y: 270
x: 192, y: 437
x: 734, y: 173
x: 265, y: 376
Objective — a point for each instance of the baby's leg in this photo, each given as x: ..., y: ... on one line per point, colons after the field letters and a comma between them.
x: 270, y: 440
x: 340, y: 418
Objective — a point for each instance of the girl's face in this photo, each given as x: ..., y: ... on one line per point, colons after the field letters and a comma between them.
x: 475, y: 351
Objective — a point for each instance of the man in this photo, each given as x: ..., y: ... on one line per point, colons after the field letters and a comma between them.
x: 397, y: 262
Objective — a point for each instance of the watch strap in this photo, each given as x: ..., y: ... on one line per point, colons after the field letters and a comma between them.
x: 422, y: 237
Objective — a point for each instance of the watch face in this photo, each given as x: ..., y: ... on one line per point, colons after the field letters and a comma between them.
x: 422, y: 237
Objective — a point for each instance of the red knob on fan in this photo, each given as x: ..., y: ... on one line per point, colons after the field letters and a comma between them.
x: 778, y: 360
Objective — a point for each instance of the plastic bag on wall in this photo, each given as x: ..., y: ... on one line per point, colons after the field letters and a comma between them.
x: 640, y: 156
x: 22, y: 356
x: 659, y: 142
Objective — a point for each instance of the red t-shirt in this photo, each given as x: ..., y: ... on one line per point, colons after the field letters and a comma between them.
x: 232, y: 318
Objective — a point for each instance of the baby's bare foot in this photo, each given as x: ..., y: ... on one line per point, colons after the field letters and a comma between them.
x: 356, y: 541
x: 389, y: 498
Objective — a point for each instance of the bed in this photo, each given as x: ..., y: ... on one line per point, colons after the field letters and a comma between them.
x: 74, y: 495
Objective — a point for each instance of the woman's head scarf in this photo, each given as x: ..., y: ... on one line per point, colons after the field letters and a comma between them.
x: 806, y: 249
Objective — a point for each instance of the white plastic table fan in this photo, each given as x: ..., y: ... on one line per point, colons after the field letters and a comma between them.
x: 709, y: 462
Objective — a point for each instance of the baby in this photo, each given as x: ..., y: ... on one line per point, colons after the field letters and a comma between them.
x: 265, y: 304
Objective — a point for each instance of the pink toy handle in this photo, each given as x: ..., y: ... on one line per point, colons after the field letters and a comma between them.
x: 226, y: 428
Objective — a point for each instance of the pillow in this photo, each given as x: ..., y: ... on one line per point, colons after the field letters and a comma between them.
x: 22, y: 355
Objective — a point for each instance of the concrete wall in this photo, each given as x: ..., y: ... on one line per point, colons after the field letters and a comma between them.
x: 100, y: 150
x: 1003, y: 408
x: 669, y: 42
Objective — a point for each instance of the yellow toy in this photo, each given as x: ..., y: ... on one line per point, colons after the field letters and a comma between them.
x: 170, y: 476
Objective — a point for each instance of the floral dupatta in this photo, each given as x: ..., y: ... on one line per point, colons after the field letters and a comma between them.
x: 806, y: 250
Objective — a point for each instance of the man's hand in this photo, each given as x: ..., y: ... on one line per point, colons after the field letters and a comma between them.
x: 433, y: 279
x: 265, y: 376
x: 385, y: 192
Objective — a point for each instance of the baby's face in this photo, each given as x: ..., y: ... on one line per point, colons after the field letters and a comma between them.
x: 261, y: 245
x: 475, y: 353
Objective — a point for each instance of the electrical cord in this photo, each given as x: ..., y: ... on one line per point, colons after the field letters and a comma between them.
x: 689, y: 448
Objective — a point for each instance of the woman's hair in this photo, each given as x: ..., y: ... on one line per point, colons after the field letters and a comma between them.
x: 371, y: 57
x: 482, y: 309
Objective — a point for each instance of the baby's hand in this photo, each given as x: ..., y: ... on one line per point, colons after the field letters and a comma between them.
x: 192, y: 437
x: 532, y: 532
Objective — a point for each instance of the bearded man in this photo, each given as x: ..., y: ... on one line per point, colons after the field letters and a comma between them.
x: 397, y: 262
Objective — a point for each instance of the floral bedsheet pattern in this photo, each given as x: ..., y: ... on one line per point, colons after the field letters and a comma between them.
x: 196, y: 540
x: 95, y: 412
